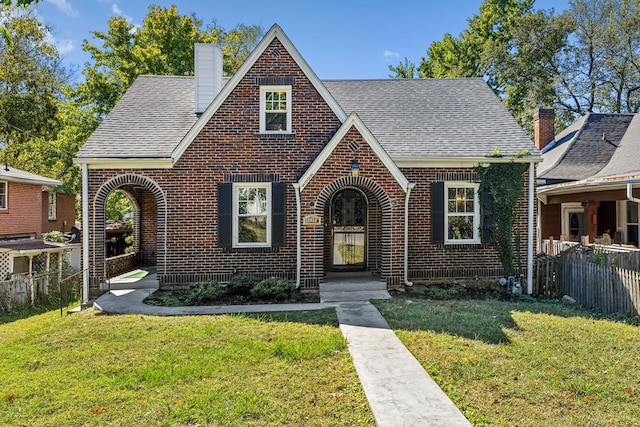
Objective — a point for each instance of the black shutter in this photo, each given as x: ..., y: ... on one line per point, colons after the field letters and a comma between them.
x: 278, y: 207
x: 486, y: 213
x: 225, y: 220
x: 437, y: 212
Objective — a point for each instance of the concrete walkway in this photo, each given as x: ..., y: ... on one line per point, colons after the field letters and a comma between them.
x: 399, y: 390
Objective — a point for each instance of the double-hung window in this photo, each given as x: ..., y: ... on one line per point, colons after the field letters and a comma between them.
x: 4, y: 190
x: 52, y: 205
x: 275, y: 109
x: 252, y: 215
x: 462, y: 213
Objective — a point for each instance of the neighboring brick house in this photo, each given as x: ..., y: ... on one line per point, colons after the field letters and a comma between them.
x: 587, y: 177
x: 29, y: 207
x: 275, y: 172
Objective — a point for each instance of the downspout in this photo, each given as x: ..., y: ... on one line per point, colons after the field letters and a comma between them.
x: 296, y: 186
x: 85, y: 233
x: 630, y: 193
x: 406, y: 235
x: 530, y: 231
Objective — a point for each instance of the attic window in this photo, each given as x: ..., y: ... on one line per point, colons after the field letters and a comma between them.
x: 275, y: 109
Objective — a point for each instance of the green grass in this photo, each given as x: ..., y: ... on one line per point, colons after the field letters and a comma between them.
x: 103, y: 370
x: 525, y: 363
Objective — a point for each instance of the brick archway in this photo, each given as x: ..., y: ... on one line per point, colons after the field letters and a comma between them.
x: 373, y: 191
x: 99, y: 218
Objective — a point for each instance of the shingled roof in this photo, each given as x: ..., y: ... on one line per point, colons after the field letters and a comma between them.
x: 411, y: 118
x: 431, y: 118
x: 148, y: 122
x: 593, y: 146
x: 8, y: 173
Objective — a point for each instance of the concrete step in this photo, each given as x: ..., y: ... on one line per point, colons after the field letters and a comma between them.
x: 353, y: 296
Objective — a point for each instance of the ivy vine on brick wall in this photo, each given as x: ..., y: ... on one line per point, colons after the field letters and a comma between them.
x: 505, y: 182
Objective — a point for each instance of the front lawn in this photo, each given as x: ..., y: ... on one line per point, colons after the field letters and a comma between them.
x: 524, y: 363
x: 104, y: 370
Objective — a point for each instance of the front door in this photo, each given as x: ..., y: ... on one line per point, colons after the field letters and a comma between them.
x: 348, y: 233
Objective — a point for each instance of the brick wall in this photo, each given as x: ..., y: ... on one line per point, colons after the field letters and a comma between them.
x: 65, y: 213
x: 229, y: 145
x: 19, y: 220
x: 178, y: 212
x: 429, y: 262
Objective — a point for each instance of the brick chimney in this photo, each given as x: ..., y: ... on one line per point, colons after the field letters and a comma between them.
x: 544, y: 126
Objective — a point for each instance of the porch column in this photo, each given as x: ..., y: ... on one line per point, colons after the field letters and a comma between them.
x: 47, y: 269
x: 591, y: 219
x: 530, y: 230
x: 85, y: 233
x: 31, y: 282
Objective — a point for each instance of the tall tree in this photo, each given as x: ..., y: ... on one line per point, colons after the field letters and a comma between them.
x: 162, y: 46
x: 30, y: 80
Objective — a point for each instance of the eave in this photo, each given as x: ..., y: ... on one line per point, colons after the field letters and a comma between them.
x: 458, y: 161
x: 124, y: 163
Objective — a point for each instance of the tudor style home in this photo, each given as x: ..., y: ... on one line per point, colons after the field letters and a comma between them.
x: 272, y: 171
x: 588, y: 179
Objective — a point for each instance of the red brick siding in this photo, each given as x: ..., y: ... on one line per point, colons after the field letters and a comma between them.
x: 18, y: 219
x: 65, y: 213
x: 374, y: 179
x: 438, y: 262
x: 231, y: 144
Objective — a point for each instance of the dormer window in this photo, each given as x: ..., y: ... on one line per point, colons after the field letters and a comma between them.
x: 275, y: 109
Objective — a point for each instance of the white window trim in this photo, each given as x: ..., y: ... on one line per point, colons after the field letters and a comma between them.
x: 235, y: 213
x: 476, y: 213
x: 5, y: 196
x: 263, y: 101
x: 52, y: 207
x: 567, y: 210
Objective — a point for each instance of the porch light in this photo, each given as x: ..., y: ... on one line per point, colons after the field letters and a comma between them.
x: 355, y: 168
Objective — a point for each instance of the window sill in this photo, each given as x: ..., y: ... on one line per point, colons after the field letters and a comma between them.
x: 254, y: 249
x: 276, y: 135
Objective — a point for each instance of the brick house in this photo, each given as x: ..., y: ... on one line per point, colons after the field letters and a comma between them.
x: 587, y: 177
x: 275, y: 172
x: 29, y: 207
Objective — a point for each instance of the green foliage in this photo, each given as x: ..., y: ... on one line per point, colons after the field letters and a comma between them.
x: 129, y: 241
x: 444, y: 291
x: 164, y: 45
x: 202, y: 293
x: 54, y: 236
x: 273, y: 289
x: 505, y: 182
x: 242, y: 284
x: 30, y: 82
x: 118, y: 205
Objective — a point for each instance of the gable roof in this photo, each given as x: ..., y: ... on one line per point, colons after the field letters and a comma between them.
x: 414, y: 120
x: 274, y: 33
x: 149, y: 121
x: 17, y: 175
x: 433, y: 118
x: 586, y: 148
x: 354, y: 121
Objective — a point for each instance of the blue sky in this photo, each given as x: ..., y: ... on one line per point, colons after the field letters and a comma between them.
x: 340, y: 39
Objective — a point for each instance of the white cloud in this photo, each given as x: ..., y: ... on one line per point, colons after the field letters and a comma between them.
x: 64, y: 6
x: 65, y: 46
x: 390, y: 56
x: 115, y: 9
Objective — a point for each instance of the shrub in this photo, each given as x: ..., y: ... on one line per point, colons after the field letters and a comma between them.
x: 242, y: 284
x: 273, y: 289
x: 204, y: 292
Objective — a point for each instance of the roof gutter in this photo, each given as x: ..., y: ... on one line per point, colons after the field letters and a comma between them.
x: 458, y: 161
x: 630, y: 193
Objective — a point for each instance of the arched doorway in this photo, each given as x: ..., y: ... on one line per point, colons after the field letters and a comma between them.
x: 149, y: 223
x: 348, y: 213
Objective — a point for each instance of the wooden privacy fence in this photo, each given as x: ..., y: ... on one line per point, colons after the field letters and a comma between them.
x: 609, y: 281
